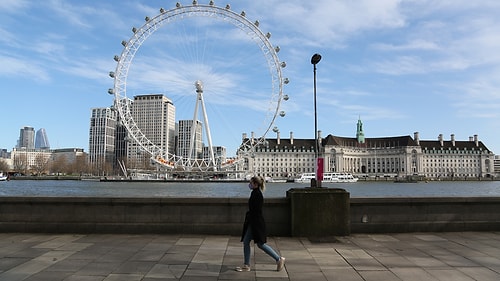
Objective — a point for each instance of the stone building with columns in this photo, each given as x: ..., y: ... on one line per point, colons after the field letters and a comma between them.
x: 397, y: 156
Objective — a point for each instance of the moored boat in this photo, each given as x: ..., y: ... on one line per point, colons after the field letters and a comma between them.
x: 328, y: 177
x: 305, y: 178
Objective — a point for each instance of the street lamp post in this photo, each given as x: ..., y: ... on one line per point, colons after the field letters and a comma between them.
x: 315, y: 59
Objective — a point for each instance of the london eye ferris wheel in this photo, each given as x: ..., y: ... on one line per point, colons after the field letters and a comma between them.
x: 215, y: 65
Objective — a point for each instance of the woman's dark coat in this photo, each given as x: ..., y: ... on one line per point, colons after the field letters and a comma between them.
x: 254, y: 217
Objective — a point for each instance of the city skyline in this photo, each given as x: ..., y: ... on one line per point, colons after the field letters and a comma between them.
x: 402, y: 67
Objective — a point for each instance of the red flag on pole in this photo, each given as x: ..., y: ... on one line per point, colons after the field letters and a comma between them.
x: 319, y: 169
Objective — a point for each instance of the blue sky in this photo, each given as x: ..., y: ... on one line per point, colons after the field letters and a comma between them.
x: 402, y: 66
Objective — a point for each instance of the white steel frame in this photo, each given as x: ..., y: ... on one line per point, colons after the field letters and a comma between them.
x: 178, y: 13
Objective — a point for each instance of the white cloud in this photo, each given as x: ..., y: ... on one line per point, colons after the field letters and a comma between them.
x: 330, y: 22
x: 6, y: 37
x: 73, y: 14
x: 149, y: 11
x: 84, y: 16
x: 416, y: 45
x: 49, y: 48
x: 467, y: 38
x: 478, y: 97
x: 22, y: 68
x: 89, y: 68
x: 401, y: 65
x: 13, y: 6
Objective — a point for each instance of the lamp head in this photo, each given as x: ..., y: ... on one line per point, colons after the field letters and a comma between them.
x: 315, y: 59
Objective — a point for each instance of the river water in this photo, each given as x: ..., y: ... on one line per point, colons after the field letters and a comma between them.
x: 74, y: 188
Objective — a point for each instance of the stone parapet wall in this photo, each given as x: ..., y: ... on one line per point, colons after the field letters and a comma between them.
x: 135, y: 215
x: 225, y: 215
x: 386, y: 215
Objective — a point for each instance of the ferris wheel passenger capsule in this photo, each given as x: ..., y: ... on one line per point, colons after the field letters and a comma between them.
x: 211, y: 3
x: 162, y: 10
x: 228, y: 7
x: 256, y: 23
x: 286, y: 81
x: 116, y: 58
x: 111, y: 91
x: 195, y: 2
x: 243, y: 14
x: 282, y: 113
x: 283, y: 64
x: 277, y: 49
x: 124, y: 43
x: 268, y: 35
x: 112, y: 74
x: 286, y: 97
x: 178, y: 5
x: 147, y: 19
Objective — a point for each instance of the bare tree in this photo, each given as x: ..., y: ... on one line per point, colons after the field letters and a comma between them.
x: 20, y: 163
x: 4, y: 167
x: 108, y: 168
x: 59, y: 164
x: 41, y: 164
x: 82, y: 165
x: 97, y: 166
x: 79, y: 166
x: 146, y: 162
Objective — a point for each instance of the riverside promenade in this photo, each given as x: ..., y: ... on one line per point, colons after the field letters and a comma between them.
x: 121, y: 257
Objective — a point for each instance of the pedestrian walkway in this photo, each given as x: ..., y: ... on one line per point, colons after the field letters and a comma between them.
x: 411, y: 256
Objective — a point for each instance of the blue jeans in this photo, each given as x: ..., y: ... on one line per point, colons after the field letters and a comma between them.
x: 263, y: 246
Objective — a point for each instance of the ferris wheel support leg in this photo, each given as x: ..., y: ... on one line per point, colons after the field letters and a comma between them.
x: 207, y: 131
x: 193, y: 128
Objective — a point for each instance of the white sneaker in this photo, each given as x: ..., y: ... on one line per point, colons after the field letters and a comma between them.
x: 243, y: 268
x: 280, y: 264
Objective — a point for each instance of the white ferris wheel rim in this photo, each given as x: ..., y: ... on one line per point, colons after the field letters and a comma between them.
x: 150, y: 26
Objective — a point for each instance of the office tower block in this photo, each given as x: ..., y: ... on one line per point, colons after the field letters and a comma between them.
x: 41, y: 139
x: 185, y: 140
x: 121, y: 141
x: 154, y: 115
x: 26, y: 138
x: 102, y: 139
x: 220, y: 154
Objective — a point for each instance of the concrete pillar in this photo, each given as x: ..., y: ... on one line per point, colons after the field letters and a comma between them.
x: 319, y: 212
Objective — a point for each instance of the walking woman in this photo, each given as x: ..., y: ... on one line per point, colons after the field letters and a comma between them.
x: 254, y: 227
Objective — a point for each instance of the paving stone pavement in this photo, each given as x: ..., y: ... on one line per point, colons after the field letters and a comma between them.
x: 410, y: 256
